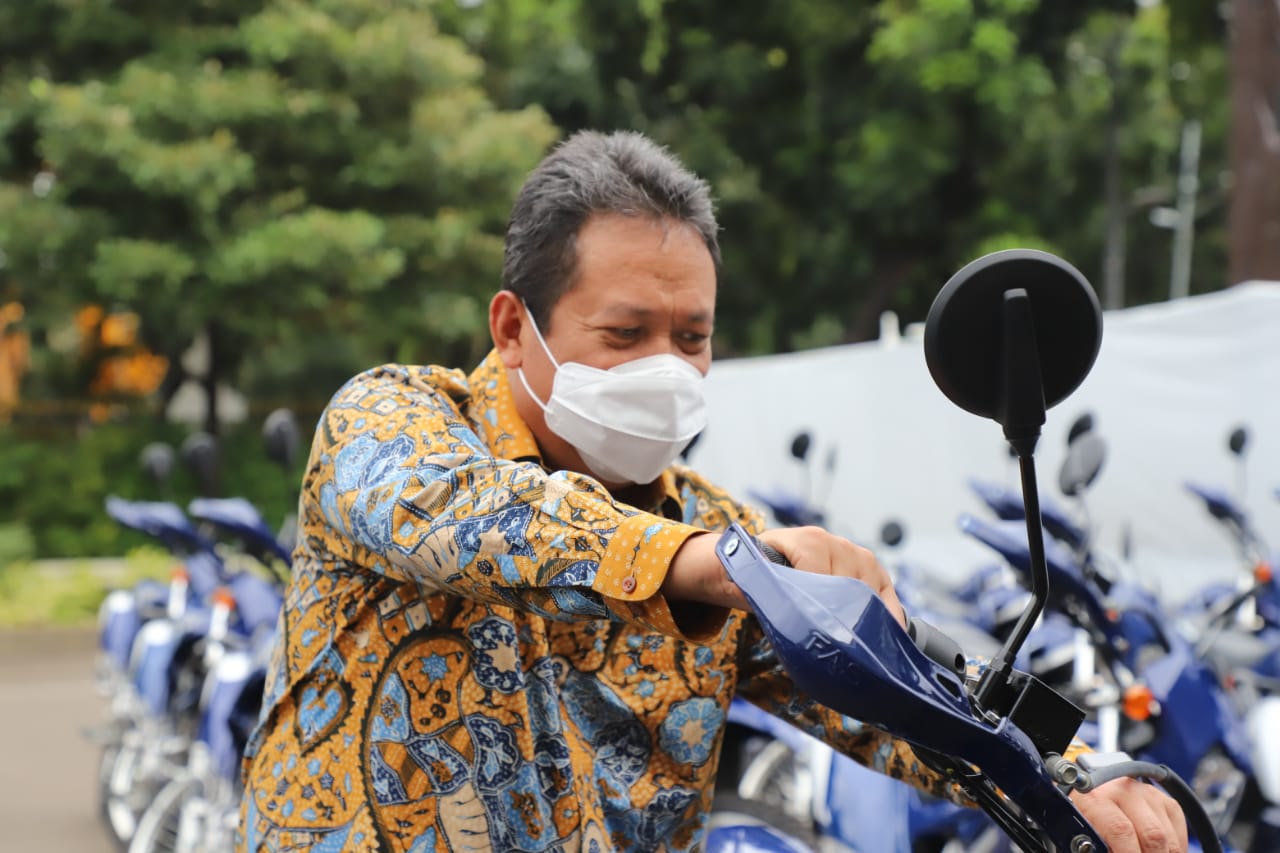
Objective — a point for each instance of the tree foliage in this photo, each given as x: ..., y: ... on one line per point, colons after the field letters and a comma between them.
x: 320, y: 185
x: 338, y: 171
x: 289, y: 176
x: 862, y: 152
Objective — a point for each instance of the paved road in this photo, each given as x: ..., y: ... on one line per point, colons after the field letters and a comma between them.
x: 47, y: 789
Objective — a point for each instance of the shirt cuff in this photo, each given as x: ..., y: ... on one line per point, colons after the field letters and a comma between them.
x: 633, y: 570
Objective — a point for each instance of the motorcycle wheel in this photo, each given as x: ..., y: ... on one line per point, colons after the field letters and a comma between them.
x: 110, y: 753
x: 766, y: 793
x: 160, y: 827
x: 130, y: 789
x: 728, y: 809
x: 121, y: 794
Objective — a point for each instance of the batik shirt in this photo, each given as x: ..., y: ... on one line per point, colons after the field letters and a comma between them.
x: 474, y: 652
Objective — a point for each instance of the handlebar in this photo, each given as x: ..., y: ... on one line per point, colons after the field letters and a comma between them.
x: 1222, y: 507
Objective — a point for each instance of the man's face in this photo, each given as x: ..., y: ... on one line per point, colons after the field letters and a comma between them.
x: 642, y: 288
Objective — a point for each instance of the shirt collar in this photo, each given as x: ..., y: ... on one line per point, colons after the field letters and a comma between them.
x: 493, y: 406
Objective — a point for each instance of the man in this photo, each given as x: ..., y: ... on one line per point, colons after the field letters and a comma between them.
x: 507, y: 628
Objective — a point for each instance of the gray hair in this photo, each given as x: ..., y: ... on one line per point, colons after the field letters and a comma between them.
x: 593, y: 173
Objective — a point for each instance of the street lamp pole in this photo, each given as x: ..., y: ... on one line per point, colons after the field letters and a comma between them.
x: 1184, y: 229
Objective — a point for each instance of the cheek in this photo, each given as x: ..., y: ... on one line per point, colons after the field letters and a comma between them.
x: 539, y: 373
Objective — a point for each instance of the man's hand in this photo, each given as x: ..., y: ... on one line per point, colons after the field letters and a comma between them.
x: 696, y: 573
x: 1133, y: 817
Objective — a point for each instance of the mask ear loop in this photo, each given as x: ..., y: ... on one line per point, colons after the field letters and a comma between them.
x: 546, y: 349
x: 538, y: 334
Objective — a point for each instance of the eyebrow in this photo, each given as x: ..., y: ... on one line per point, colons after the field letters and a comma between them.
x: 641, y: 313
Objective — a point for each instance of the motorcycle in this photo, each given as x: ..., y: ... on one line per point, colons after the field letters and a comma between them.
x: 198, y: 807
x: 151, y: 714
x: 1009, y: 335
x: 156, y: 661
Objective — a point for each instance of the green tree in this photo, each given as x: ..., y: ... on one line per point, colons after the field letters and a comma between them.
x: 861, y: 153
x: 308, y: 184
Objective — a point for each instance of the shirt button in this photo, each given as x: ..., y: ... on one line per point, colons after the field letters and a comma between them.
x: 628, y: 585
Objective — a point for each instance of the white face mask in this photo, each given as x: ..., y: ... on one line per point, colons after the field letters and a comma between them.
x: 627, y: 423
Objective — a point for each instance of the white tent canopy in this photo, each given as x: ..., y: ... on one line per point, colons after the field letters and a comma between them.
x: 1170, y: 383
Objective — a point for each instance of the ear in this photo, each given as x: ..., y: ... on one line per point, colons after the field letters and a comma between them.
x: 506, y: 323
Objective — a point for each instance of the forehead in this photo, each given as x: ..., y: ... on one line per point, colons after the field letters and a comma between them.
x: 640, y: 265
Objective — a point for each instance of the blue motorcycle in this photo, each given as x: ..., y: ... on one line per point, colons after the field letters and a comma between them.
x: 223, y: 600
x: 1177, y: 711
x: 153, y: 700
x: 197, y: 809
x: 1000, y: 353
x: 1240, y: 622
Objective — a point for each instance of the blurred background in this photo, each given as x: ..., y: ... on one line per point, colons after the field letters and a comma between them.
x: 208, y: 211
x: 216, y: 209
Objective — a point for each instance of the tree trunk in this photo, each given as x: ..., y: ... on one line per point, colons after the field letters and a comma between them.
x: 1254, y: 227
x: 173, y: 379
x: 891, y: 274
x: 211, y: 419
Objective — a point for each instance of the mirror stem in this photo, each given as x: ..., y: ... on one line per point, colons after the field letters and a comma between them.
x: 1022, y: 414
x: 996, y: 675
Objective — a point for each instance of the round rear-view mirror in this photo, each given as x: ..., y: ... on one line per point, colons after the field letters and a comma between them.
x: 892, y: 534
x: 1238, y: 441
x: 1083, y: 464
x: 280, y: 435
x: 964, y: 339
x: 1079, y: 427
x: 200, y: 454
x: 157, y: 462
x: 800, y: 445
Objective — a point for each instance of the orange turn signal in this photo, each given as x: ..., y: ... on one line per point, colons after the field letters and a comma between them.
x: 1262, y: 572
x: 1138, y: 703
x: 223, y: 597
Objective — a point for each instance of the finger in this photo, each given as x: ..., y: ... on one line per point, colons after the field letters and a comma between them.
x: 815, y: 550
x: 877, y: 577
x: 1110, y: 822
x: 1177, y: 819
x: 1156, y: 833
x: 863, y: 565
x: 855, y: 561
x: 792, y: 543
x: 890, y: 598
x: 818, y: 549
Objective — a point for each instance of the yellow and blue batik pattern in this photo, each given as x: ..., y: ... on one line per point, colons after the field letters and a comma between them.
x: 474, y: 653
